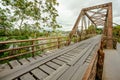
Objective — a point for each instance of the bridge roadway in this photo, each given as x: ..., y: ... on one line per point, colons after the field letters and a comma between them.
x: 68, y: 63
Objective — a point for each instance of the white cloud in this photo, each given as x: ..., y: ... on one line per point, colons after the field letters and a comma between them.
x: 69, y: 10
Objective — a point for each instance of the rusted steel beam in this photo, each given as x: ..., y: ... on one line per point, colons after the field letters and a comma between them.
x: 74, y: 29
x: 105, y: 25
x: 99, y: 20
x: 100, y: 24
x: 109, y: 28
x: 97, y: 13
x: 97, y: 6
x: 99, y: 16
x: 90, y: 18
x: 76, y: 23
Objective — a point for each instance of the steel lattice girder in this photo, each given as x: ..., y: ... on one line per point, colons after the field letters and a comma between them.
x: 99, y: 15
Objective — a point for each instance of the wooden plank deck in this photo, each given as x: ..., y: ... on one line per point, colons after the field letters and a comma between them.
x: 111, y: 69
x: 68, y: 63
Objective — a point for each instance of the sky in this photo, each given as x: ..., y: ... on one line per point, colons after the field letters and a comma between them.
x: 69, y: 10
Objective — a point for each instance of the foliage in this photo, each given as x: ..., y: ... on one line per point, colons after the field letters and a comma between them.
x: 5, y: 23
x: 28, y: 16
x: 116, y: 32
x: 99, y: 30
x: 91, y: 29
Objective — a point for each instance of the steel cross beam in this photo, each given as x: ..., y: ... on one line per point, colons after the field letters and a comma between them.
x: 97, y: 6
x: 107, y: 22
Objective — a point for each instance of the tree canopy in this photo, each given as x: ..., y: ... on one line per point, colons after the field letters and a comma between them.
x: 28, y: 15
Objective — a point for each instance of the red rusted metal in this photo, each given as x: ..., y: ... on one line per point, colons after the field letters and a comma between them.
x: 109, y: 27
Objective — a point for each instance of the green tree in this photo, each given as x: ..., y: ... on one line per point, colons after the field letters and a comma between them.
x: 116, y: 32
x: 36, y: 13
x: 91, y: 29
x: 5, y: 22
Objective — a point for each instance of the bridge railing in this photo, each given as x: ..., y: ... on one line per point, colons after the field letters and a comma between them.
x: 16, y: 49
x: 95, y: 68
x: 19, y: 48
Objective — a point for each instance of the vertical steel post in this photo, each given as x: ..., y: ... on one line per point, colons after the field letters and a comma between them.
x: 109, y: 44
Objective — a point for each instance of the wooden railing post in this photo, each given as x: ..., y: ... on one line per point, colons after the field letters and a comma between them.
x: 58, y: 42
x: 33, y: 49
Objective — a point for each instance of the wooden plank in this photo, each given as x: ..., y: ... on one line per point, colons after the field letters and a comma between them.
x: 63, y: 59
x: 79, y: 49
x: 4, y: 67
x: 37, y: 57
x: 74, y: 51
x: 14, y: 63
x: 27, y: 76
x: 58, y: 61
x: 68, y: 58
x: 68, y: 73
x: 88, y: 59
x: 57, y: 73
x: 55, y: 66
x: 47, y: 69
x: 31, y: 59
x: 79, y: 73
x: 39, y: 74
x: 24, y: 61
x: 71, y: 54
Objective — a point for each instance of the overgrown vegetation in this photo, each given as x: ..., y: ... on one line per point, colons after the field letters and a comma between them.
x: 26, y: 18
x: 116, y: 32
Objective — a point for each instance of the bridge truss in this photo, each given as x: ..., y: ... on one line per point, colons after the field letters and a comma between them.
x: 100, y: 15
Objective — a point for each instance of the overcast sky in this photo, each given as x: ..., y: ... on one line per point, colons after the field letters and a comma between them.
x: 69, y: 10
